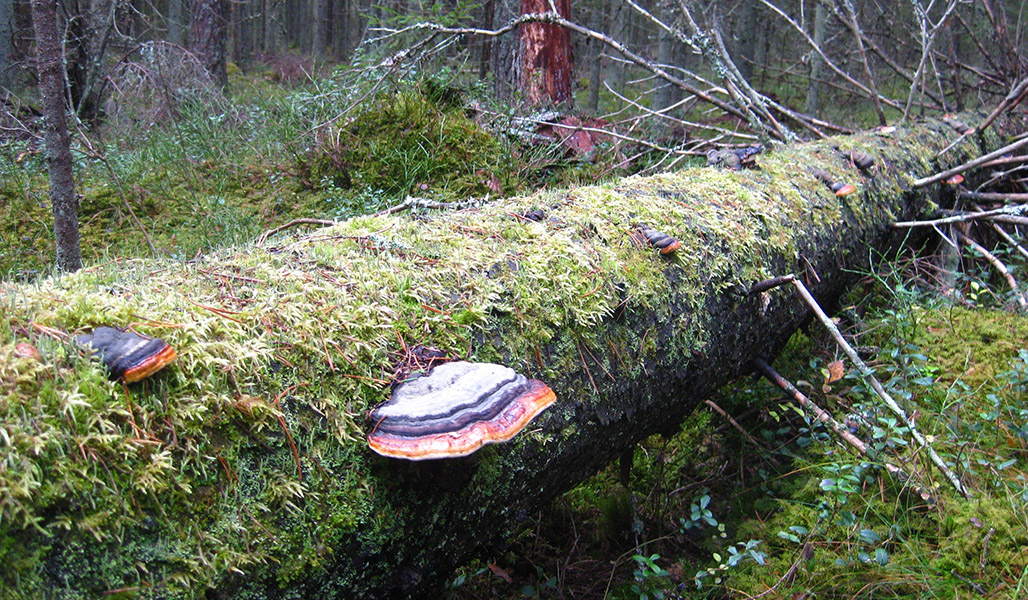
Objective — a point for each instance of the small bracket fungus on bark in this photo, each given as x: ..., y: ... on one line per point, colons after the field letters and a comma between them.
x: 127, y: 355
x: 840, y: 188
x: 659, y: 240
x: 456, y: 409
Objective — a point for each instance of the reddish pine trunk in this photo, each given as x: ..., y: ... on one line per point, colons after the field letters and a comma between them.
x: 546, y: 62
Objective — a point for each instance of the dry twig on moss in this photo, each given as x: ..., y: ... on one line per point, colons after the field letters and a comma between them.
x: 840, y: 429
x: 866, y: 373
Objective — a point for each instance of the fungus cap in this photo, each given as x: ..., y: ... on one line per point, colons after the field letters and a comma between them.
x: 127, y: 355
x: 455, y: 410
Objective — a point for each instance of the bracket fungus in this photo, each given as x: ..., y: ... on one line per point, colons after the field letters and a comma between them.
x: 659, y: 240
x: 456, y: 409
x: 128, y: 356
x: 840, y: 188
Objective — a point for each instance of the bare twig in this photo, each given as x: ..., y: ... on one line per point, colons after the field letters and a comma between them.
x: 1016, y: 94
x: 970, y: 164
x: 866, y: 373
x: 841, y: 430
x: 994, y: 196
x: 1007, y: 210
x: 264, y: 236
x: 998, y: 265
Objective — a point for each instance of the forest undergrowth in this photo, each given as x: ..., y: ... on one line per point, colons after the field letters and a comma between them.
x: 754, y: 497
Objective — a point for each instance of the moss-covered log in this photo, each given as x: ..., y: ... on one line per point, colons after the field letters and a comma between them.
x: 241, y: 471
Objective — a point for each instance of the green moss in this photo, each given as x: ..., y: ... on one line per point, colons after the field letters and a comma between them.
x: 290, y: 344
x: 405, y: 143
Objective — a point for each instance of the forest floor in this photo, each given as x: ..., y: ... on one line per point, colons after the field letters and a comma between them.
x: 767, y: 504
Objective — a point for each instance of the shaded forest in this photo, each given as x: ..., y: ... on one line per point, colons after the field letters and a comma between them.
x: 626, y: 199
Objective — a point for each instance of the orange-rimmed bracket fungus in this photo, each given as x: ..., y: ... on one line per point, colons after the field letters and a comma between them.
x: 128, y: 356
x: 456, y: 409
x: 659, y: 240
x: 840, y: 188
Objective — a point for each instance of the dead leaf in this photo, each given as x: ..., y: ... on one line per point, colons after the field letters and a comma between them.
x: 499, y: 572
x: 835, y: 371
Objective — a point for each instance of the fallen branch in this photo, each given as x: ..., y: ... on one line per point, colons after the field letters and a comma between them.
x: 998, y: 265
x: 867, y: 373
x: 920, y: 183
x: 1006, y: 210
x: 994, y: 196
x: 264, y: 236
x: 841, y: 430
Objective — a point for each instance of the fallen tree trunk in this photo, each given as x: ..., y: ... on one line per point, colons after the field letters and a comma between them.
x: 242, y: 469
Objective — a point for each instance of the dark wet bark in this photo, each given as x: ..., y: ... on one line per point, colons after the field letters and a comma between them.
x: 210, y: 20
x: 57, y: 139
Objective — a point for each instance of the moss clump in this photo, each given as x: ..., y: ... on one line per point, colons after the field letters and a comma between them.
x: 404, y: 143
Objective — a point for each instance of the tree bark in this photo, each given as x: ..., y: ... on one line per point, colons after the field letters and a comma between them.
x: 56, y: 137
x: 545, y: 56
x: 6, y: 42
x: 813, y: 103
x: 177, y: 22
x: 322, y: 15
x: 210, y: 19
x: 266, y: 487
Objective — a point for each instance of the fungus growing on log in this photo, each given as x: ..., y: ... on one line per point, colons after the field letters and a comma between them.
x: 862, y: 160
x: 954, y: 180
x: 127, y: 355
x: 840, y: 189
x: 661, y: 241
x: 456, y: 409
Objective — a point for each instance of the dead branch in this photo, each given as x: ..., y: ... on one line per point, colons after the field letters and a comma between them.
x: 1007, y: 210
x: 866, y: 374
x: 998, y: 265
x: 920, y: 183
x: 838, y: 428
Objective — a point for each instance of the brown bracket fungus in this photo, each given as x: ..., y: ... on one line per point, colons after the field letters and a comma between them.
x: 128, y: 356
x: 840, y: 189
x: 456, y: 409
x: 659, y: 240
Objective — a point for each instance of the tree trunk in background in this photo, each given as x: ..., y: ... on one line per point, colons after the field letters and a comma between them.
x: 504, y: 53
x: 485, y: 44
x: 273, y: 22
x: 816, y: 63
x: 747, y: 39
x: 177, y: 22
x: 56, y: 137
x: 242, y: 23
x: 208, y: 39
x: 596, y: 49
x: 546, y: 63
x: 618, y: 20
x: 322, y: 17
x: 664, y: 95
x: 90, y: 29
x: 6, y: 43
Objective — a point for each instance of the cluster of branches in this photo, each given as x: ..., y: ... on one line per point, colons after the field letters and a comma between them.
x: 917, y: 64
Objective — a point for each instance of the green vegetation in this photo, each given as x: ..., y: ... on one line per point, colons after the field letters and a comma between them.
x: 206, y: 458
x: 713, y: 513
